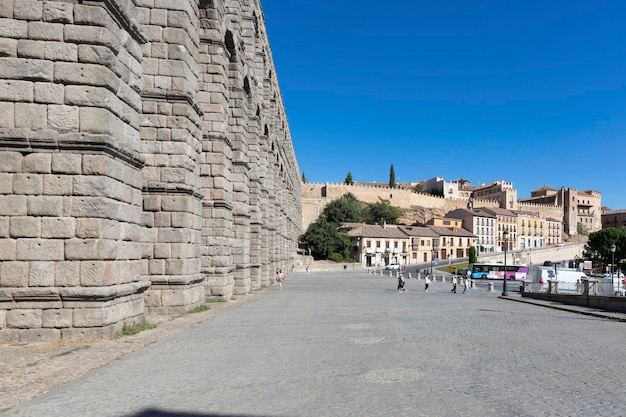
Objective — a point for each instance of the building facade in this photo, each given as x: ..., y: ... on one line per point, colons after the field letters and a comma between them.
x: 482, y: 224
x: 614, y: 218
x: 145, y: 162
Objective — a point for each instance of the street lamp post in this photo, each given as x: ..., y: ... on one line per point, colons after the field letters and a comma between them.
x: 505, y: 236
x: 613, y: 267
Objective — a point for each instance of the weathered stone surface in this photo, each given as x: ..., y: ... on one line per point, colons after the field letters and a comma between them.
x: 67, y: 274
x: 8, y: 47
x: 58, y: 227
x: 28, y: 9
x: 92, y: 35
x: 57, y: 318
x: 13, y: 205
x: 39, y: 335
x: 27, y: 48
x: 45, y: 31
x: 49, y: 93
x: 13, y: 274
x: 31, y: 116
x: 38, y: 163
x: 66, y: 163
x: 7, y: 115
x: 25, y: 227
x: 57, y: 12
x: 80, y: 249
x: 10, y: 28
x: 24, y: 318
x: 16, y: 90
x: 60, y: 51
x: 45, y: 206
x: 41, y: 274
x: 39, y: 250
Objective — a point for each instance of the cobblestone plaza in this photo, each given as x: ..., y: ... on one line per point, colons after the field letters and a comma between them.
x: 348, y: 344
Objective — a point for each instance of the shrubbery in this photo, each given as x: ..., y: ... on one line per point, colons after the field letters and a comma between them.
x: 336, y: 257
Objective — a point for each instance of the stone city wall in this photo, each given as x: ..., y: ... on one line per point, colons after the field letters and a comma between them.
x: 316, y: 196
x: 145, y: 162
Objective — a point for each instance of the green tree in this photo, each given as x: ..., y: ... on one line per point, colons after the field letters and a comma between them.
x: 382, y: 211
x: 303, y: 179
x: 581, y: 229
x: 472, y: 255
x: 417, y: 188
x: 345, y: 209
x: 601, y: 242
x: 348, y: 180
x: 392, y: 177
x: 323, y: 239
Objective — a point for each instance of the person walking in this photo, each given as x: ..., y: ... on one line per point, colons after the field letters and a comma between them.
x: 454, y: 282
x: 466, y: 285
x: 426, y: 282
x: 401, y: 283
x: 281, y: 278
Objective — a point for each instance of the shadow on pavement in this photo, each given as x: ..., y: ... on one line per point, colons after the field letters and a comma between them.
x: 152, y: 412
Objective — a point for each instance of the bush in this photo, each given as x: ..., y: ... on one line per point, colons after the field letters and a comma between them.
x: 336, y: 257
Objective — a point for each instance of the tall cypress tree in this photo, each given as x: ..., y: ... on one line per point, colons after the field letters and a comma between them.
x: 392, y: 177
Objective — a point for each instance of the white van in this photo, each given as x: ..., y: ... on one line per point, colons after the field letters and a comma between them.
x: 567, y: 278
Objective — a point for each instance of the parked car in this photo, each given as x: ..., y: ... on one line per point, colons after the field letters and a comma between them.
x: 393, y: 266
x: 560, y: 244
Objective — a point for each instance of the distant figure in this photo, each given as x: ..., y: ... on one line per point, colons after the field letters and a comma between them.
x: 578, y: 286
x: 454, y: 282
x: 401, y: 283
x: 281, y: 278
x: 307, y: 268
x: 466, y: 285
x: 426, y: 282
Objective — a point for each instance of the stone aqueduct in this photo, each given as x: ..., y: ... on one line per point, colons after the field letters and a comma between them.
x: 145, y: 162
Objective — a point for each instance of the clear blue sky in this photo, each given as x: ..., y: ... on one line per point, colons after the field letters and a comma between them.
x: 532, y: 92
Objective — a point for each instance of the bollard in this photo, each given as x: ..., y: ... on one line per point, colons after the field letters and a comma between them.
x: 390, y: 274
x: 443, y: 278
x: 472, y: 284
x: 409, y: 276
x: 490, y: 287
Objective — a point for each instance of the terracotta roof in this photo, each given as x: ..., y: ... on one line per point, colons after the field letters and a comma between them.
x: 421, y: 231
x: 498, y: 210
x: 444, y: 231
x: 464, y: 212
x: 374, y: 230
x: 545, y: 187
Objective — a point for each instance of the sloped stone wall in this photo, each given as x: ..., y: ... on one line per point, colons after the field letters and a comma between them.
x: 145, y: 162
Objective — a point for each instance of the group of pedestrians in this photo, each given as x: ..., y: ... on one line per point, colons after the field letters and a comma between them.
x: 427, y: 280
